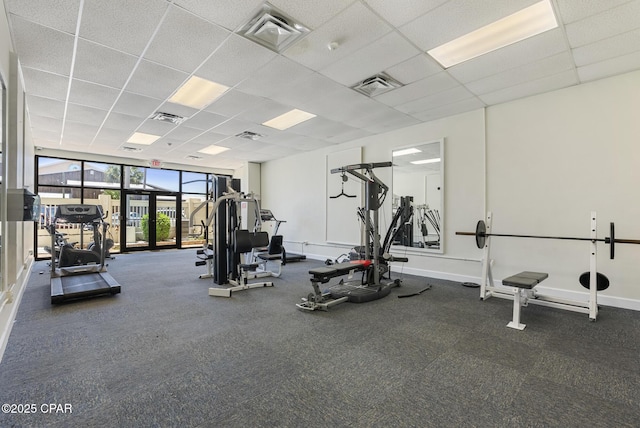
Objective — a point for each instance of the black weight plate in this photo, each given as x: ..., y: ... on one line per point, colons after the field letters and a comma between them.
x: 612, y: 241
x: 602, y: 282
x: 481, y: 229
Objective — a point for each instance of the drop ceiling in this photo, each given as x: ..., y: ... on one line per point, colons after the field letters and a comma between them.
x: 97, y: 71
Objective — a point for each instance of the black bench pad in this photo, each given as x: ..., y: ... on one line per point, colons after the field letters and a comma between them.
x: 525, y: 279
x: 336, y: 270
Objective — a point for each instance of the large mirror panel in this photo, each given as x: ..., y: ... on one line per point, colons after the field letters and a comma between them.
x: 418, y: 188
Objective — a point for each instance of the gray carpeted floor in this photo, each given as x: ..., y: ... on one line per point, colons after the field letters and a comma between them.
x: 164, y: 353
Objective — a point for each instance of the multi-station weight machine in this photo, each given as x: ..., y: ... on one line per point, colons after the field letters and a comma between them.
x: 227, y: 245
x: 372, y: 259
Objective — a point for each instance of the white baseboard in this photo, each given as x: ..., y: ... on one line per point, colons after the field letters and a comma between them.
x: 9, y: 309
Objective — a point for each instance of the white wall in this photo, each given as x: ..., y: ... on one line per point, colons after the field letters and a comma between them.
x: 554, y: 158
x: 294, y: 189
x: 550, y: 160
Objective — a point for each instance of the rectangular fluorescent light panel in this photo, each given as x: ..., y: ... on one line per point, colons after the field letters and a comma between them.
x: 142, y: 138
x: 289, y: 119
x: 404, y: 152
x: 518, y: 26
x: 423, y: 161
x: 213, y: 150
x: 198, y: 93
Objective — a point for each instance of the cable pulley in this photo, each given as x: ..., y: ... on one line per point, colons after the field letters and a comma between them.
x: 481, y: 236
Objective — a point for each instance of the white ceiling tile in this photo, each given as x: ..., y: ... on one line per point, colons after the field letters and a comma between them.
x: 39, y: 106
x: 414, y: 69
x: 204, y: 120
x: 48, y: 85
x: 105, y: 66
x: 308, y: 14
x: 352, y: 135
x: 109, y: 136
x: 263, y: 111
x: 343, y: 105
x: 302, y: 92
x: 353, y: 28
x: 400, y: 12
x: 123, y: 121
x: 320, y: 128
x: 91, y: 95
x: 48, y: 123
x: 154, y: 80
x: 610, y: 67
x: 514, y: 76
x: 183, y: 133
x: 62, y: 17
x: 180, y: 29
x: 232, y: 127
x: 532, y: 49
x: 450, y: 109
x: 176, y: 109
x: 608, y: 48
x: 574, y: 10
x: 395, y: 122
x: 607, y: 24
x: 136, y: 105
x: 79, y: 133
x: 232, y: 103
x: 86, y: 115
x: 275, y: 76
x: 445, y: 97
x: 155, y: 127
x: 456, y: 18
x: 546, y: 84
x: 374, y: 58
x: 421, y: 88
x: 123, y: 25
x: 234, y: 61
x: 209, y: 138
x: 41, y: 47
x: 229, y: 14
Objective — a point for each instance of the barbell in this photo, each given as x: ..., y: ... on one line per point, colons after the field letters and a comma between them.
x: 481, y: 236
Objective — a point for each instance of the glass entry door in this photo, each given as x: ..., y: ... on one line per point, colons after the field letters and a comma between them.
x: 149, y: 220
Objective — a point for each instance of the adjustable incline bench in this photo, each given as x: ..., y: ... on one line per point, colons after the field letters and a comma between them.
x: 522, y: 284
x: 322, y: 275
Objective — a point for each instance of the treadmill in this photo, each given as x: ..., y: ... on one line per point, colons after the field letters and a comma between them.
x: 84, y: 280
x: 267, y: 216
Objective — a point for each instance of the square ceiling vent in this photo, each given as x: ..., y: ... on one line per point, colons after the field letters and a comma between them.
x: 273, y: 29
x: 376, y: 85
x: 249, y: 135
x: 168, y: 117
x: 130, y: 149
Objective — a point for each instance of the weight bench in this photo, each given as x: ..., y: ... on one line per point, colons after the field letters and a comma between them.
x: 322, y: 275
x: 522, y: 284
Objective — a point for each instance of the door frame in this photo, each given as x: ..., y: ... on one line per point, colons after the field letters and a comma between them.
x: 153, y: 205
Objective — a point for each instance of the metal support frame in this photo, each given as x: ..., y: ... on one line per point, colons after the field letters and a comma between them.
x: 522, y: 297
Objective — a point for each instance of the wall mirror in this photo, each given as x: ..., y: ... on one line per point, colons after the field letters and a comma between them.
x: 418, y: 187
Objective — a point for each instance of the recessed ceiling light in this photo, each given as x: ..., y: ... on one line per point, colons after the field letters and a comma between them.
x: 423, y: 161
x: 518, y: 26
x: 403, y: 152
x: 198, y: 93
x: 289, y: 119
x: 142, y: 138
x: 213, y: 150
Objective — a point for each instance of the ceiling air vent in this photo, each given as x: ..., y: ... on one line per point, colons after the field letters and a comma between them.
x: 273, y: 29
x: 249, y: 135
x: 130, y: 149
x: 193, y: 157
x: 168, y: 117
x: 376, y: 85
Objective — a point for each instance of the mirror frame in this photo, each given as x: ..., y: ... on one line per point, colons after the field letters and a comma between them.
x: 419, y: 202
